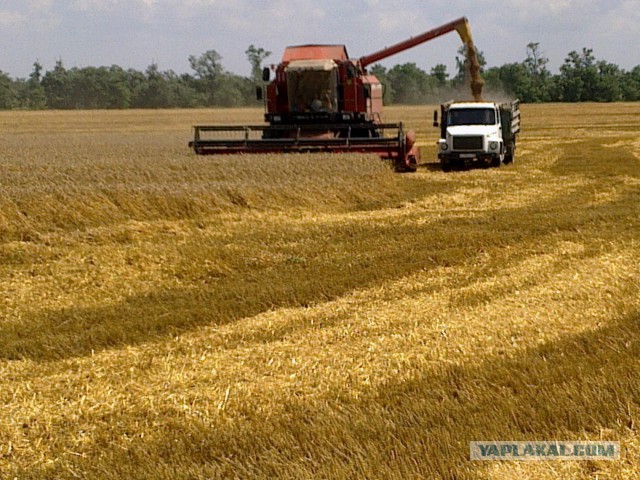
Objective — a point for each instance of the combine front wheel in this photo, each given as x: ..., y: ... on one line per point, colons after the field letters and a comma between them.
x: 409, y: 165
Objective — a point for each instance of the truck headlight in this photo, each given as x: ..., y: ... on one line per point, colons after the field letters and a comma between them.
x: 493, y: 145
x: 444, y: 147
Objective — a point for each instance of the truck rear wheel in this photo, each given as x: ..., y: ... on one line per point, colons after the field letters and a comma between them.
x: 510, y: 156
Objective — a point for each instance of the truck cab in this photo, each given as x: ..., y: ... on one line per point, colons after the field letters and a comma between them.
x: 477, y: 132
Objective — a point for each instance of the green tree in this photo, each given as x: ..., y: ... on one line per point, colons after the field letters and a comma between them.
x: 136, y: 84
x: 439, y: 72
x: 410, y: 84
x: 382, y: 74
x: 539, y: 86
x: 119, y: 94
x: 578, y: 76
x: 631, y: 85
x: 511, y: 78
x: 230, y: 90
x: 152, y: 89
x: 7, y: 93
x: 30, y: 93
x: 57, y: 87
x: 183, y: 93
x: 207, y: 68
x: 608, y: 86
x: 256, y: 56
x: 101, y: 87
x: 583, y: 78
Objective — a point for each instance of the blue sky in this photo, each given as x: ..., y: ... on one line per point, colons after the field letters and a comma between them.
x: 135, y: 33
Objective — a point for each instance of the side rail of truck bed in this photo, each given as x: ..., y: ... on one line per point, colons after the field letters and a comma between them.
x: 510, y: 113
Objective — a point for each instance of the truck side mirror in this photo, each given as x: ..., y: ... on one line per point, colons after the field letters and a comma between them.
x: 435, y: 119
x: 259, y: 93
x: 266, y: 74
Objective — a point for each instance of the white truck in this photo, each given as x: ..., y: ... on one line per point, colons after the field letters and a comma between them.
x: 481, y: 132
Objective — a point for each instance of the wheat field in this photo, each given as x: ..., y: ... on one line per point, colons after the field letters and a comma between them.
x: 168, y: 316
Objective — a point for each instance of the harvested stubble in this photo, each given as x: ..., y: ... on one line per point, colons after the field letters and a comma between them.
x: 172, y: 316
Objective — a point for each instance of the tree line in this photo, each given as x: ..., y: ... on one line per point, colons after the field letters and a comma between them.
x: 581, y: 78
x: 209, y: 85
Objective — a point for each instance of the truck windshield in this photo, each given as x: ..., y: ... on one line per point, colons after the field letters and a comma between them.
x: 471, y: 116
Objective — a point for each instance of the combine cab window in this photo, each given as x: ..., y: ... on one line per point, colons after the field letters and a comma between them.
x: 471, y: 116
x: 312, y: 88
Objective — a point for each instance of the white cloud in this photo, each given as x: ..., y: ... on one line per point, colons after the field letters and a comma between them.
x: 15, y: 22
x: 623, y: 20
x: 529, y: 9
x: 39, y: 5
x: 301, y: 13
x: 11, y: 20
x: 198, y: 3
x: 132, y: 32
x: 92, y: 5
x: 114, y: 5
x: 398, y: 23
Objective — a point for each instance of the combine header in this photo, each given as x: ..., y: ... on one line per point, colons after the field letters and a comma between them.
x: 322, y: 101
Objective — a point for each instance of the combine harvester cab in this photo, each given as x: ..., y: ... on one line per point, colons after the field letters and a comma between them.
x: 322, y: 101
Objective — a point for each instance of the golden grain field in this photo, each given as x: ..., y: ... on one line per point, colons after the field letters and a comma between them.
x: 167, y: 316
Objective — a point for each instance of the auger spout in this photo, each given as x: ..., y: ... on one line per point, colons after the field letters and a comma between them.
x: 464, y: 30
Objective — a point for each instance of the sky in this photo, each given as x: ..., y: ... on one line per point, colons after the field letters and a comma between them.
x: 137, y: 33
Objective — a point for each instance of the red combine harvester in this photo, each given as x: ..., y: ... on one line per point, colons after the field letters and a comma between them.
x: 323, y: 101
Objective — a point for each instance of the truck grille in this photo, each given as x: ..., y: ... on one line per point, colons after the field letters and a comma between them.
x: 467, y: 143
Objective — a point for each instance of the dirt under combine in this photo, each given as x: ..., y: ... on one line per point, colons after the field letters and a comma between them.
x: 322, y: 101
